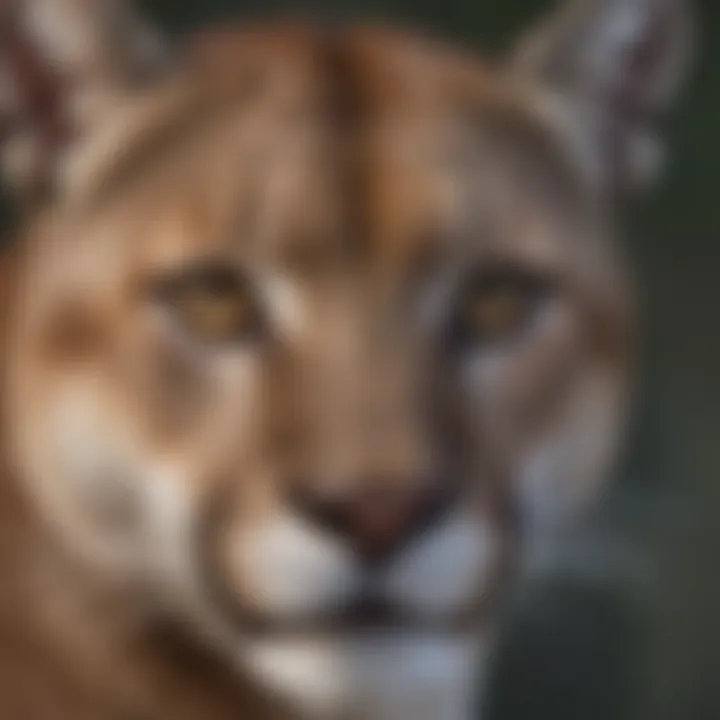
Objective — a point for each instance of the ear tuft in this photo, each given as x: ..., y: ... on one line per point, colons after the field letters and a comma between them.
x: 64, y: 65
x: 620, y: 64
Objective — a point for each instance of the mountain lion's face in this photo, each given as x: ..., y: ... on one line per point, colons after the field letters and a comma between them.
x: 316, y: 336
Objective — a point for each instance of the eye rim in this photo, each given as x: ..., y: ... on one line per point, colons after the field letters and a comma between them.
x: 537, y: 287
x: 167, y: 292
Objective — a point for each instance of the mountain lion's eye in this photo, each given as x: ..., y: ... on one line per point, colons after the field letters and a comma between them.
x: 215, y: 304
x: 497, y: 305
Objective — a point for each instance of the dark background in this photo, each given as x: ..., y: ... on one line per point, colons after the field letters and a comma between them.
x: 628, y: 626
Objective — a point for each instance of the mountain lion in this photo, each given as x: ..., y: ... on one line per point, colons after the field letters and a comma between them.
x: 312, y: 334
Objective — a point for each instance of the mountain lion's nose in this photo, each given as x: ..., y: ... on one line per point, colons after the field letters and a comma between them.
x: 377, y: 520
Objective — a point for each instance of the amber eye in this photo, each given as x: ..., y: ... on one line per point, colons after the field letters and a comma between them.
x: 215, y: 304
x: 498, y: 305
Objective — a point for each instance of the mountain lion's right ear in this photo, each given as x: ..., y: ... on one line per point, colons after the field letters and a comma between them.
x: 64, y: 66
x: 619, y: 64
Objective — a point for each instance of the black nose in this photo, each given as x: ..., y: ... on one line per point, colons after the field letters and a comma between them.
x: 379, y: 518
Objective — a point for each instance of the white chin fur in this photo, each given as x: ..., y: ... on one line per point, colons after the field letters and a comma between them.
x: 373, y: 677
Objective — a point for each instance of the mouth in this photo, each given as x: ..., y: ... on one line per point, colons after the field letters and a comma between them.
x: 368, y: 614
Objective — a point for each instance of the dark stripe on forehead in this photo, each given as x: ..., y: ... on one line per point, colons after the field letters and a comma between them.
x: 345, y: 104
x: 347, y: 114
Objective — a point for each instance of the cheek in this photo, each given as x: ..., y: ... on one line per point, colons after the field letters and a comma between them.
x: 191, y: 401
x: 552, y: 416
x: 563, y: 470
x: 512, y: 391
x: 84, y: 468
x: 125, y: 510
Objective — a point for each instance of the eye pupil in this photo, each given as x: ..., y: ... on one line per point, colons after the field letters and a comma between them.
x: 213, y: 304
x: 218, y: 284
x: 497, y: 311
x: 498, y: 305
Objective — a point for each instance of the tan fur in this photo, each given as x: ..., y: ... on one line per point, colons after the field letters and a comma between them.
x: 146, y: 528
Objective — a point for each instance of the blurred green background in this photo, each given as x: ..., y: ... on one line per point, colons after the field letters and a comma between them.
x: 629, y: 625
x: 636, y: 632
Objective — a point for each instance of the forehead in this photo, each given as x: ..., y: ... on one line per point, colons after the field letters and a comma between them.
x: 363, y: 143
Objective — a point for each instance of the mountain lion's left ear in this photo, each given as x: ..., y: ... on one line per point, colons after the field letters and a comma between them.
x: 619, y: 65
x: 65, y: 67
